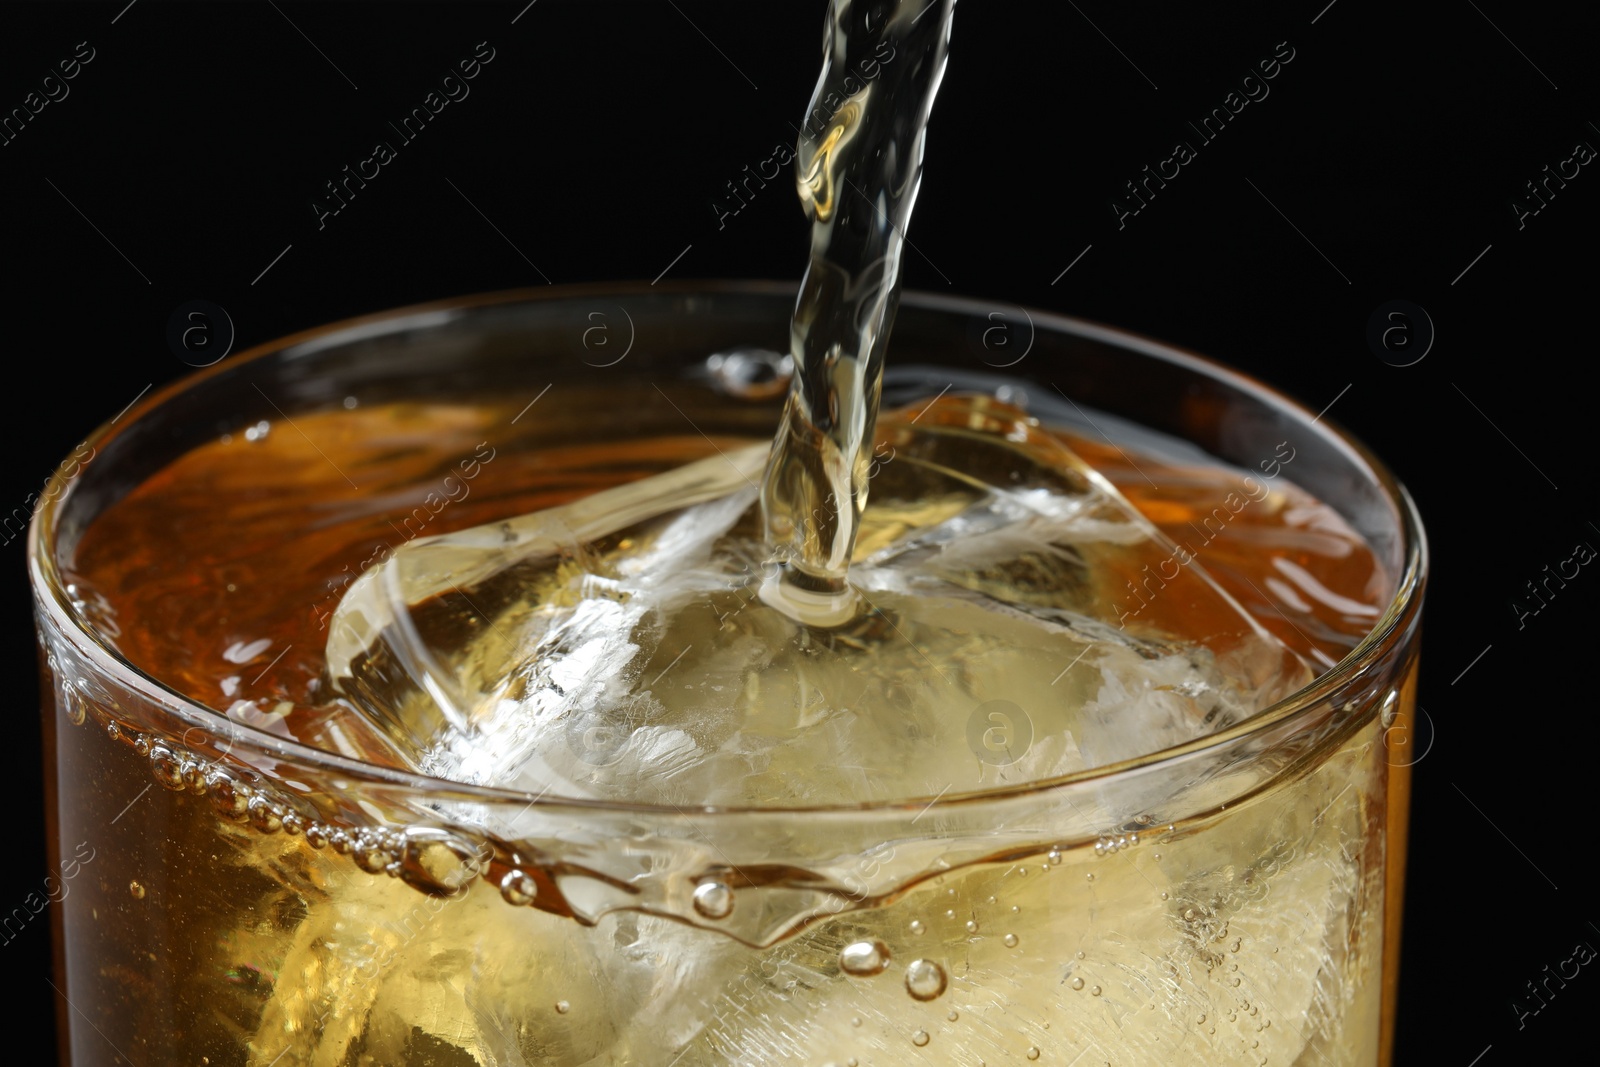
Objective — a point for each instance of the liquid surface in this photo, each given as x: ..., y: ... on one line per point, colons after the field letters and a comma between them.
x: 204, y: 578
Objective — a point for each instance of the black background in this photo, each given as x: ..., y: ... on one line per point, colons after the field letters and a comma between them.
x: 190, y: 148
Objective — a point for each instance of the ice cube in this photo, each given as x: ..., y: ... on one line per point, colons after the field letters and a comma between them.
x: 1021, y: 621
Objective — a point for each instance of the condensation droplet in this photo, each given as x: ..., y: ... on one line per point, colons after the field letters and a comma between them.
x: 1077, y: 983
x: 1011, y: 940
x: 562, y: 1007
x: 713, y: 900
x: 518, y: 889
x: 863, y: 959
x: 925, y: 979
x: 919, y: 1038
x: 137, y: 889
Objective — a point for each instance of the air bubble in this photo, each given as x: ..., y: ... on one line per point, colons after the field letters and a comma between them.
x: 1090, y: 876
x: 316, y: 835
x: 562, y: 1007
x: 925, y: 979
x: 1077, y: 983
x: 1011, y: 940
x: 293, y: 824
x: 953, y: 1015
x: 229, y: 796
x: 259, y: 431
x: 518, y: 889
x: 751, y: 373
x: 370, y: 856
x: 1033, y: 1053
x: 438, y: 862
x: 919, y: 1038
x: 856, y: 1021
x: 917, y: 927
x: 136, y: 889
x: 265, y: 815
x: 166, y: 767
x: 1094, y: 991
x: 863, y: 959
x: 1235, y: 946
x: 972, y: 926
x: 1054, y: 856
x: 713, y: 900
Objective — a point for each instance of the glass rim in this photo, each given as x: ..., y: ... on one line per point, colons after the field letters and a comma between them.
x: 1396, y: 619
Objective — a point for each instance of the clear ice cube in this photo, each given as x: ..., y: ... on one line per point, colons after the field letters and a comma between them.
x: 1020, y: 621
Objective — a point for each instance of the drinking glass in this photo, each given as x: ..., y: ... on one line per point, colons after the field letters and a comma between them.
x: 230, y: 895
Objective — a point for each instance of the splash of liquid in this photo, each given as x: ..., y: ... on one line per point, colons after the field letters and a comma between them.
x: 858, y: 167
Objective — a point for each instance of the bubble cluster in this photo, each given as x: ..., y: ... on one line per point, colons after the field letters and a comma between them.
x: 1108, y: 846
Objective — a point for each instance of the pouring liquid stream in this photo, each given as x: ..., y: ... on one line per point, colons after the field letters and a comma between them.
x: 858, y: 168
